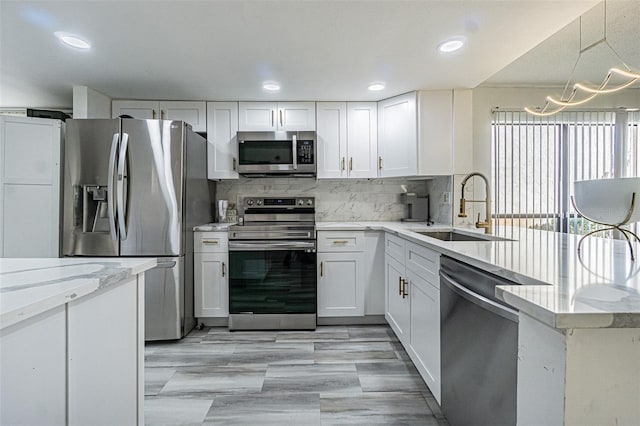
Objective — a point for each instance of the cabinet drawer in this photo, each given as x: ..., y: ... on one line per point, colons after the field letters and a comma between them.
x: 333, y: 241
x: 394, y: 246
x: 210, y: 242
x: 423, y: 262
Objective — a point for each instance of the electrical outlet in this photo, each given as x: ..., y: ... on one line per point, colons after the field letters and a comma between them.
x: 446, y: 198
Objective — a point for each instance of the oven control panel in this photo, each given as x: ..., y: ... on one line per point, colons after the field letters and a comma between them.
x: 277, y: 202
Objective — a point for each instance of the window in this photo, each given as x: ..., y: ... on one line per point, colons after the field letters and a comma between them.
x: 535, y: 161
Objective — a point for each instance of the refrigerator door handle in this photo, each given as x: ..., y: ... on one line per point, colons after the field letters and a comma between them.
x: 110, y: 198
x: 122, y: 157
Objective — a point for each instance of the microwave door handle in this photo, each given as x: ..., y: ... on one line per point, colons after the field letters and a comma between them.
x: 294, y: 143
x: 110, y: 195
x: 120, y: 186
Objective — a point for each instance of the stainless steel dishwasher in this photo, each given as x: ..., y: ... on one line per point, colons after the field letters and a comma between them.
x: 479, y: 347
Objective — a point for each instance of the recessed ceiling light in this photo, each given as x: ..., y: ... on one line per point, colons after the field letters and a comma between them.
x: 451, y: 45
x: 271, y: 86
x: 374, y: 87
x: 72, y: 40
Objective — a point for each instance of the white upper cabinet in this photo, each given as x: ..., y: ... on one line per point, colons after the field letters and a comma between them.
x: 194, y: 113
x: 295, y: 116
x: 362, y: 139
x: 257, y: 116
x: 398, y: 136
x: 222, y: 140
x: 347, y: 139
x: 331, y: 136
x: 415, y: 134
x: 270, y: 116
x: 144, y: 110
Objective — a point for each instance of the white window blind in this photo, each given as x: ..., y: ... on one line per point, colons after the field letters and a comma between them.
x: 536, y: 160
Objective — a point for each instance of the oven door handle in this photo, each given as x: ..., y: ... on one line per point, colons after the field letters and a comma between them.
x: 478, y: 300
x: 309, y: 246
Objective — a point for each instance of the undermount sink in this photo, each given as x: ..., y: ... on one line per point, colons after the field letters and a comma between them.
x: 458, y: 236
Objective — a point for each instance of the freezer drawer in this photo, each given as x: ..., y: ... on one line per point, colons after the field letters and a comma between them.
x: 165, y: 300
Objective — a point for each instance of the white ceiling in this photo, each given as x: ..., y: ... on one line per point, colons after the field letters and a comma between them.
x: 224, y: 50
x: 552, y: 61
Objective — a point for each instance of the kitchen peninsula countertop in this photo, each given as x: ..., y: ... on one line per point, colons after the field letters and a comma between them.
x: 29, y: 287
x: 599, y: 288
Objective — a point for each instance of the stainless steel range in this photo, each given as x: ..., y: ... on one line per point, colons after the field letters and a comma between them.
x: 272, y: 265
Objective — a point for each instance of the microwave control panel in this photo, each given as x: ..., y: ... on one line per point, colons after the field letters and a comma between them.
x: 305, y: 152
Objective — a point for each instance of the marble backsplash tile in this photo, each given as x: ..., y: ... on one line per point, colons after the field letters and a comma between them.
x: 336, y: 200
x: 441, y: 209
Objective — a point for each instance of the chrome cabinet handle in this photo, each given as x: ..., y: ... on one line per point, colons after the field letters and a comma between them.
x: 234, y: 164
x: 350, y: 164
x: 162, y: 114
x: 400, y: 286
x: 404, y: 288
x: 272, y: 114
x: 343, y: 160
x: 340, y: 241
x: 212, y: 242
x: 153, y: 114
x: 281, y: 122
x: 380, y: 163
x: 224, y: 267
x: 321, y: 269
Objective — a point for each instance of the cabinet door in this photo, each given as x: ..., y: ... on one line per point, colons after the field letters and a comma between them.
x: 374, y: 270
x: 362, y: 137
x: 30, y: 158
x: 397, y: 136
x: 211, y: 285
x: 296, y: 116
x: 340, y: 284
x: 257, y: 116
x: 424, y: 348
x: 332, y: 139
x: 194, y: 113
x: 397, y: 303
x: 222, y: 140
x: 144, y: 110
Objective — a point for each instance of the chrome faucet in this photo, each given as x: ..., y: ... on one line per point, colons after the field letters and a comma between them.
x: 487, y: 223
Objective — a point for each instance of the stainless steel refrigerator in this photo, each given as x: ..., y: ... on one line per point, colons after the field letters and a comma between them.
x: 137, y: 188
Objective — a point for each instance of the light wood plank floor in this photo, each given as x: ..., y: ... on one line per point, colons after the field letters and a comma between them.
x: 336, y: 375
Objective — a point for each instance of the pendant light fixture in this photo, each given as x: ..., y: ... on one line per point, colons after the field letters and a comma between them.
x: 582, y: 93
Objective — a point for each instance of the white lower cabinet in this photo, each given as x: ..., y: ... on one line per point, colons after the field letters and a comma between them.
x: 211, y: 278
x: 413, y: 304
x: 397, y: 306
x: 341, y: 274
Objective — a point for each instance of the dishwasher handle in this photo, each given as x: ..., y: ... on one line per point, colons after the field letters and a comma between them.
x: 478, y: 300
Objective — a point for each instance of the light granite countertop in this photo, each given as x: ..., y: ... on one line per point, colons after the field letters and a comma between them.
x: 219, y: 226
x: 29, y: 287
x: 598, y: 288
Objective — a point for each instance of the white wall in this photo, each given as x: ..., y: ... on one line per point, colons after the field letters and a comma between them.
x: 89, y: 103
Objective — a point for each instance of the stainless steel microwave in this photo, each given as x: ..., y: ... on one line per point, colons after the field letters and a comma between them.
x: 277, y: 153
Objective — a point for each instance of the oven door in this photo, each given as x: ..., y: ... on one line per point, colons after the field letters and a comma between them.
x: 272, y: 277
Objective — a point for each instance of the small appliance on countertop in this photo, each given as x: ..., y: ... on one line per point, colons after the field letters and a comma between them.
x: 272, y: 264
x: 417, y: 207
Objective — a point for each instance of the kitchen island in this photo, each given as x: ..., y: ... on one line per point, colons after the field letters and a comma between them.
x: 72, y: 340
x: 579, y: 318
